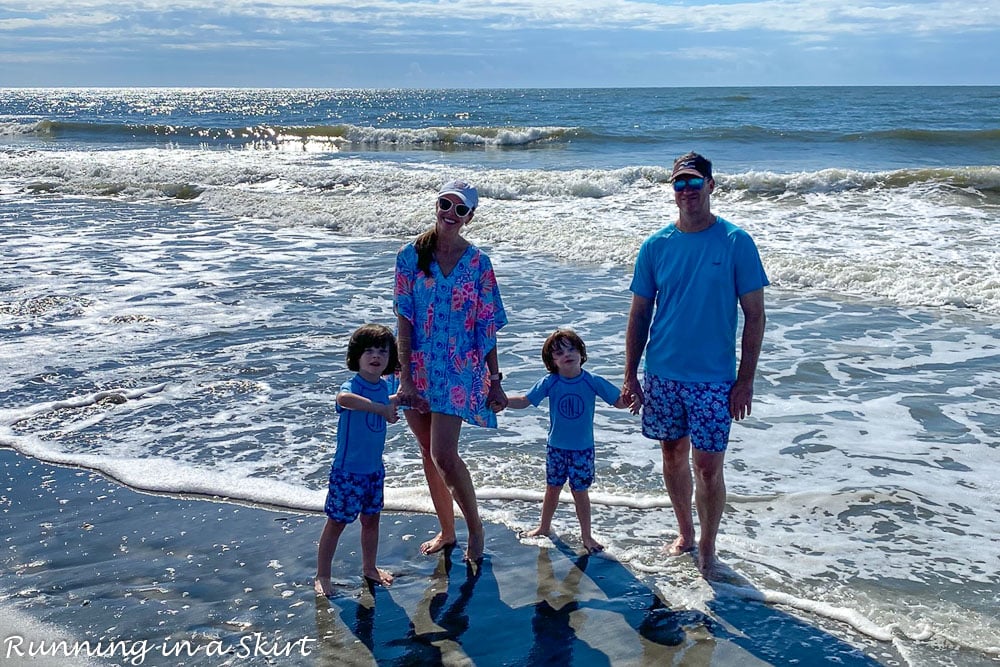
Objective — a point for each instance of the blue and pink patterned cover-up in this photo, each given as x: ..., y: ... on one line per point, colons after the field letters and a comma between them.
x: 455, y: 321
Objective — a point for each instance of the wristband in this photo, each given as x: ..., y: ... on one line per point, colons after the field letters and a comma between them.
x: 497, y: 377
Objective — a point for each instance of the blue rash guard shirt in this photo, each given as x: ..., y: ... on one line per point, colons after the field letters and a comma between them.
x: 360, y: 434
x: 571, y: 407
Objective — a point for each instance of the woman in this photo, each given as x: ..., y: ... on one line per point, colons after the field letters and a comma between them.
x: 449, y: 311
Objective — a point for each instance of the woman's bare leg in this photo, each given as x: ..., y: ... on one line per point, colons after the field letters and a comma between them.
x: 420, y: 424
x: 445, y: 430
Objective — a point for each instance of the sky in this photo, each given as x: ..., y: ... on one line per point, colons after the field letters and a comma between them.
x: 497, y: 43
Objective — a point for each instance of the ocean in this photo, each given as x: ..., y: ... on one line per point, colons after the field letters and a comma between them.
x: 183, y: 268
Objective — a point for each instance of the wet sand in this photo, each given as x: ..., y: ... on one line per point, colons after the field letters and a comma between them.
x: 132, y: 578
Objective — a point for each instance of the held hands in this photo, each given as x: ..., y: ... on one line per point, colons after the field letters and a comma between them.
x: 391, y: 410
x: 410, y: 399
x: 740, y: 397
x: 497, y: 399
x: 632, y: 393
x: 623, y: 402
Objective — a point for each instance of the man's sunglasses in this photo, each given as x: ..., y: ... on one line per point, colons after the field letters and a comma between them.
x: 461, y: 210
x: 694, y: 183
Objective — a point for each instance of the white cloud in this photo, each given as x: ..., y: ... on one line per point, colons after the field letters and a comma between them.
x: 582, y: 42
x: 800, y: 16
x: 71, y: 20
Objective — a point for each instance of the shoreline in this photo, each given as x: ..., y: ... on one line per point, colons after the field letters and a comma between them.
x: 154, y: 578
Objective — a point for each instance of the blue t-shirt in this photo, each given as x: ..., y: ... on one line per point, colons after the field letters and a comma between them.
x: 360, y: 434
x: 696, y: 280
x: 571, y: 407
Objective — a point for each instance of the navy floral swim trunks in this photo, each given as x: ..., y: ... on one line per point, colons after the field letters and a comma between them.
x: 674, y: 409
x: 350, y: 494
x: 576, y: 465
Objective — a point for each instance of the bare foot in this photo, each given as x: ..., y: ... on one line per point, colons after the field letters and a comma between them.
x: 536, y: 532
x: 474, y: 552
x: 323, y: 586
x: 592, y: 545
x: 710, y: 567
x: 678, y: 547
x: 379, y: 577
x: 436, y: 544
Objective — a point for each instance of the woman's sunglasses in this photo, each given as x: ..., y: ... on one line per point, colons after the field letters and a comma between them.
x: 461, y: 210
x: 694, y: 183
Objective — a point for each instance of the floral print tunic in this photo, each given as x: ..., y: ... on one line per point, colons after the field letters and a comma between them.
x: 455, y: 321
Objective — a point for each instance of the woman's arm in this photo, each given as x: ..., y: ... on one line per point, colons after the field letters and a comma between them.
x: 497, y: 399
x: 407, y: 394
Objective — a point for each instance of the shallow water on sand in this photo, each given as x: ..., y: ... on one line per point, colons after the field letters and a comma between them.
x: 869, y: 447
x: 131, y: 579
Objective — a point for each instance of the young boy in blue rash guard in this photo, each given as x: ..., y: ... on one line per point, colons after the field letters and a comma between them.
x: 357, y: 473
x: 572, y: 392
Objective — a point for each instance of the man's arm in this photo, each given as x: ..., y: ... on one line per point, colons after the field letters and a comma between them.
x: 636, y: 334
x: 741, y: 396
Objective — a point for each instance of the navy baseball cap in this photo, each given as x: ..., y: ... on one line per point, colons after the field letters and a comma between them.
x: 693, y: 165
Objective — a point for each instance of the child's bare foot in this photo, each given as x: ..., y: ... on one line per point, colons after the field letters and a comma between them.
x: 379, y: 577
x: 592, y: 546
x: 678, y: 547
x: 436, y: 544
x: 536, y: 532
x: 323, y: 586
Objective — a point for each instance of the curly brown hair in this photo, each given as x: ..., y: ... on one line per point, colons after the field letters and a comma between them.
x: 557, y: 339
x: 372, y: 335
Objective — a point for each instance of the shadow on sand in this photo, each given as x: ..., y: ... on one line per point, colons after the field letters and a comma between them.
x: 578, y: 610
x: 774, y: 636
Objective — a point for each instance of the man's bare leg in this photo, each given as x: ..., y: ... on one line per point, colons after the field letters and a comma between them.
x: 710, y: 500
x: 680, y: 485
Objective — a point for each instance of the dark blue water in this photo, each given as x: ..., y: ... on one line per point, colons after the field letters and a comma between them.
x: 777, y: 129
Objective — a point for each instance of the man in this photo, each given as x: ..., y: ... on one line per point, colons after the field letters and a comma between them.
x: 689, y: 278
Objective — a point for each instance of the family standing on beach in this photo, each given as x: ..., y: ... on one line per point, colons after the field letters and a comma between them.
x: 689, y: 279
